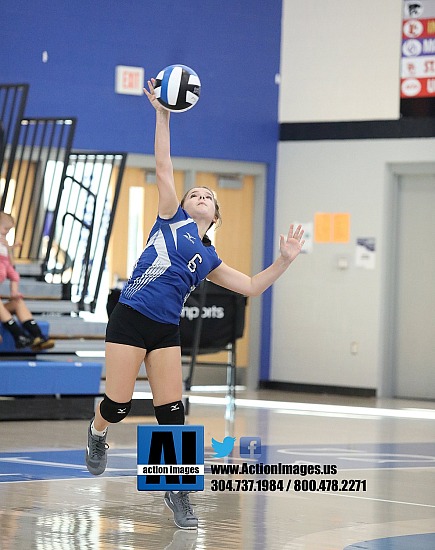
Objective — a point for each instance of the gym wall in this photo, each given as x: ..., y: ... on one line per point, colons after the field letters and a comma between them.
x: 343, y: 146
x: 339, y: 64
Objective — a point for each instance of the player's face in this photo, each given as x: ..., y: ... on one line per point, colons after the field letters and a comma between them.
x: 200, y: 201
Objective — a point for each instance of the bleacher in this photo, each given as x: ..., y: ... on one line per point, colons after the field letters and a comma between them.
x: 57, y: 383
x: 63, y: 202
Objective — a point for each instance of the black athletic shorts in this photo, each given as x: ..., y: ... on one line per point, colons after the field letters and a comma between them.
x: 128, y: 326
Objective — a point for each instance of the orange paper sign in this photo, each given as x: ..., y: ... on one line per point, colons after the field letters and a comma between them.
x: 331, y: 228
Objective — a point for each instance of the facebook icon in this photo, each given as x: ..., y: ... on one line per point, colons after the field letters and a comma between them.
x: 250, y: 447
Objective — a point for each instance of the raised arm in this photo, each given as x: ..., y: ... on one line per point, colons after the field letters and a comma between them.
x: 232, y: 279
x: 168, y: 200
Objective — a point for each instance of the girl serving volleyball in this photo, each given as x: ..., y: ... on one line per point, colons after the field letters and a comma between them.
x: 144, y: 325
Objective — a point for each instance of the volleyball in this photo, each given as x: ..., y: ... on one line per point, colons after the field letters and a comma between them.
x: 177, y: 88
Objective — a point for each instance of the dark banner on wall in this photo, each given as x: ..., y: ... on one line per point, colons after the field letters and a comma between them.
x: 417, y: 76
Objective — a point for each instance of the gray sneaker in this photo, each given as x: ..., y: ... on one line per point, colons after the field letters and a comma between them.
x: 184, y: 517
x: 96, y: 453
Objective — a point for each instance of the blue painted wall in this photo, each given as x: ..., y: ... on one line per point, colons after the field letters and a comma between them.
x: 233, y: 46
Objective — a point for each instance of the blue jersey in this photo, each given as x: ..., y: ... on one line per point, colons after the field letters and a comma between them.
x: 173, y: 263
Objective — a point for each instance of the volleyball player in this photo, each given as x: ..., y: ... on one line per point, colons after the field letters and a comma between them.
x: 144, y: 325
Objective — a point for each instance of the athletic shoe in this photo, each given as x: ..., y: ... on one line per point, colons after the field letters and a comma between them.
x: 40, y: 344
x: 96, y: 453
x: 23, y: 342
x: 184, y: 517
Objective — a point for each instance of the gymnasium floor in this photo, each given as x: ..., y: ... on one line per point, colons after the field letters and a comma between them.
x: 48, y: 501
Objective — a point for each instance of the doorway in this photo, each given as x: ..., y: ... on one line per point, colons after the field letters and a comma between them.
x: 413, y: 368
x: 241, y: 190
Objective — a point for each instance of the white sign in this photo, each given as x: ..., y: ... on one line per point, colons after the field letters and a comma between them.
x: 308, y: 236
x: 365, y: 253
x: 129, y: 80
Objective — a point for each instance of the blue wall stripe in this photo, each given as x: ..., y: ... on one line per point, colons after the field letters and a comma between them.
x: 269, y: 251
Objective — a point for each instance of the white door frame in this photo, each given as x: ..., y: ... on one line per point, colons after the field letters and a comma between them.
x: 386, y: 371
x: 225, y: 167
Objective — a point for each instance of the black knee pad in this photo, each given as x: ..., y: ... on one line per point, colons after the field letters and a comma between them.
x: 171, y: 413
x: 114, y: 412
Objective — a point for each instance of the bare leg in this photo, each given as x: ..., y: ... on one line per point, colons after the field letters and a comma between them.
x: 5, y: 312
x: 122, y: 367
x: 19, y: 307
x: 165, y: 375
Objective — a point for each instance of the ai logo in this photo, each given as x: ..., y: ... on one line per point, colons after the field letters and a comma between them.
x: 170, y: 458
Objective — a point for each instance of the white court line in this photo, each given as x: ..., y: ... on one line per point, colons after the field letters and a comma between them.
x: 308, y: 408
x: 72, y: 479
x: 375, y: 499
x: 320, y: 409
x: 18, y: 460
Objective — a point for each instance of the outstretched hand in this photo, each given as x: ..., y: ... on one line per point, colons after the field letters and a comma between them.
x: 151, y: 95
x: 291, y: 246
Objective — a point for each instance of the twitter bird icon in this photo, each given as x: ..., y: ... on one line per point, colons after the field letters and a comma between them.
x: 222, y: 448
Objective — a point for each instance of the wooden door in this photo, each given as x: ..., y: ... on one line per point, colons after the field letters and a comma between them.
x: 233, y: 240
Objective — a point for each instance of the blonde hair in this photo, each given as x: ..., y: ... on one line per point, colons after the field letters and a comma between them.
x: 217, y: 213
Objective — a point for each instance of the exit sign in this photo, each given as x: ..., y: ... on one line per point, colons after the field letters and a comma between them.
x: 129, y: 80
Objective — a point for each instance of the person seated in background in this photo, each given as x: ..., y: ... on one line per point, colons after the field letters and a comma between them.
x: 7, y: 270
x: 28, y: 333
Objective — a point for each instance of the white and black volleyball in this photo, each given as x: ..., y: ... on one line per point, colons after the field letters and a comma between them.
x: 177, y: 88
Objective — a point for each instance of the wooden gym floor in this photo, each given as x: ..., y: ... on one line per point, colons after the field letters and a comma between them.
x: 49, y: 501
